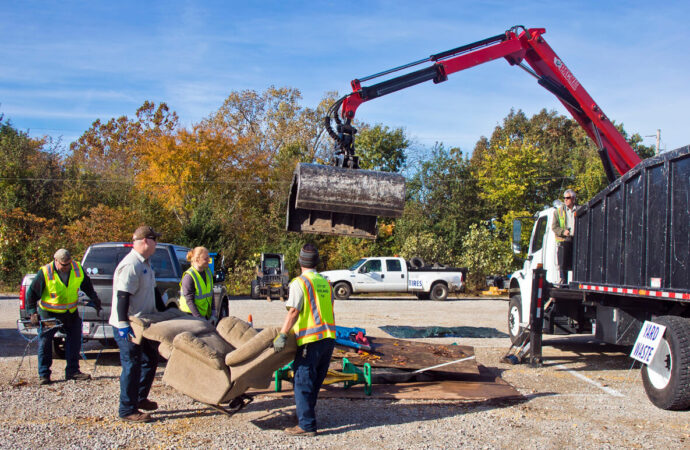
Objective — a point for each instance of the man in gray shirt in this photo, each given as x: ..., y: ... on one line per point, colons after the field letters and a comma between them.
x: 135, y: 293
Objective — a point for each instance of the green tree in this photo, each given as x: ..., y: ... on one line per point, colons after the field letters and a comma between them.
x: 381, y: 148
x: 485, y: 252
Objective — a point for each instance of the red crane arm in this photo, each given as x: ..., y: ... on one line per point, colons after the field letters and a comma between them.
x: 528, y: 46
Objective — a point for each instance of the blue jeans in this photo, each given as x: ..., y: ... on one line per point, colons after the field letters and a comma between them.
x: 139, y: 363
x: 71, y: 327
x: 311, y: 366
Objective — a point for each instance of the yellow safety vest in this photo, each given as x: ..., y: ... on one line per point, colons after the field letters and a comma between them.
x: 316, y: 320
x: 57, y: 297
x: 561, y: 221
x: 203, y: 293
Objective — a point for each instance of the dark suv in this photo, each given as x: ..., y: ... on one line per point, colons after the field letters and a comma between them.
x: 100, y: 261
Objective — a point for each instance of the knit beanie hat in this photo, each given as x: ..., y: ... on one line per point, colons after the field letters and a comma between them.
x: 308, y: 256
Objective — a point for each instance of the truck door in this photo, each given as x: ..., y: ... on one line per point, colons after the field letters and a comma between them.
x: 369, y: 277
x: 395, y: 278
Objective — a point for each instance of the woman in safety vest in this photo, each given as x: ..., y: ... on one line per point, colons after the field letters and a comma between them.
x: 197, y: 286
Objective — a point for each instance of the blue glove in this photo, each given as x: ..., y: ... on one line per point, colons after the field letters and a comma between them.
x: 279, y: 342
x: 126, y: 333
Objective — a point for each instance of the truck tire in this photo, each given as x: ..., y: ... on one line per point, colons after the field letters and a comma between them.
x: 417, y: 262
x: 439, y: 292
x: 515, y: 317
x: 254, y: 293
x: 667, y: 377
x: 58, y: 348
x: 342, y: 290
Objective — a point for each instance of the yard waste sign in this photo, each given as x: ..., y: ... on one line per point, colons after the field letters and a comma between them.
x: 647, y: 342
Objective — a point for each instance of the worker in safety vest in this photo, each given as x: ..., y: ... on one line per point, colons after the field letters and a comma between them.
x: 197, y: 286
x: 310, y: 317
x: 54, y: 293
x: 563, y: 226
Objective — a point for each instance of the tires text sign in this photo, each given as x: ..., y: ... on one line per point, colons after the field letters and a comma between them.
x: 647, y: 341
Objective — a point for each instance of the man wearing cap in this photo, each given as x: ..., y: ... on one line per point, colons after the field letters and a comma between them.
x: 54, y: 293
x: 563, y: 226
x: 135, y: 293
x: 310, y: 317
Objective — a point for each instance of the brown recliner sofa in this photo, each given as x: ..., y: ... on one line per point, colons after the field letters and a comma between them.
x: 213, y: 366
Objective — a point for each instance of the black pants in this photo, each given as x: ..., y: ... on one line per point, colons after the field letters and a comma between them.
x: 564, y: 252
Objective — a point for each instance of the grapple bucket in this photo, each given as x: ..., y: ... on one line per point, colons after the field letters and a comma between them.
x: 334, y: 200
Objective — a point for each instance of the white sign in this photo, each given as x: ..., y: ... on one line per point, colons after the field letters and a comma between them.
x: 647, y: 341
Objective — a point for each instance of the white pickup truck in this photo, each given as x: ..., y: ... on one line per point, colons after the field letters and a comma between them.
x: 393, y: 274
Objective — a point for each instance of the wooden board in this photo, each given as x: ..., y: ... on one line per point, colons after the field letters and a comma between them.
x: 487, y: 386
x: 411, y: 355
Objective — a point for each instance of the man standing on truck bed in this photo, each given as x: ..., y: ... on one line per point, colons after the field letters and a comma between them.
x: 310, y: 317
x: 135, y: 293
x: 563, y: 225
x: 57, y: 298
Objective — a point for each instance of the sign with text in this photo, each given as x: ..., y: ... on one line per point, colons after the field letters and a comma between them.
x: 647, y: 341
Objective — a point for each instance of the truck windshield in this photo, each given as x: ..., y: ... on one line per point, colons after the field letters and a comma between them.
x: 357, y: 264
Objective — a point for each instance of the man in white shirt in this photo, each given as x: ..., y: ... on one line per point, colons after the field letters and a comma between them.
x: 135, y: 293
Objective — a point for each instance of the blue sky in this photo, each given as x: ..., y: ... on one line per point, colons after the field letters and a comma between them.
x: 65, y: 64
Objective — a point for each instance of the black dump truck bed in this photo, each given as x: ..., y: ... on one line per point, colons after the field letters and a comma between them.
x: 636, y: 233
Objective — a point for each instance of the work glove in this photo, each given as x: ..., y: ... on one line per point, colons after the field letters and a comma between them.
x: 34, y: 319
x: 96, y: 304
x: 126, y: 333
x: 279, y: 342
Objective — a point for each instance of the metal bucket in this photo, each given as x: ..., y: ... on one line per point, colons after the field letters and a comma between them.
x: 334, y: 200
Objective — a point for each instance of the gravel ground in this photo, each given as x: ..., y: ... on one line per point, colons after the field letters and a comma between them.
x: 608, y: 409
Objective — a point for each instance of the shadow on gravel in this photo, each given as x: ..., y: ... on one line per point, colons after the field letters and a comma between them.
x: 587, y: 353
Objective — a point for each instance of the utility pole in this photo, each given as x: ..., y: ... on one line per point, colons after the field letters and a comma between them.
x: 658, y: 139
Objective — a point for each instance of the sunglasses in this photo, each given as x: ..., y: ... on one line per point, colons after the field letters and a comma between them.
x: 567, y: 198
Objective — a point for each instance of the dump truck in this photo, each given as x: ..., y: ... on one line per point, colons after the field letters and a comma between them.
x: 632, y: 252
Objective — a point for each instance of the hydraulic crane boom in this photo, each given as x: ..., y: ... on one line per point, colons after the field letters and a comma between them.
x: 338, y: 200
x: 517, y: 48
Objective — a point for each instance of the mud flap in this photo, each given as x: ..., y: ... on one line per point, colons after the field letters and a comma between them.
x: 334, y: 200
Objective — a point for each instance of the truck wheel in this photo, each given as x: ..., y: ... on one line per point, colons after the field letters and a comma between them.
x: 666, y: 378
x: 342, y: 290
x: 439, y: 291
x: 514, y: 317
x: 254, y: 293
x: 58, y: 348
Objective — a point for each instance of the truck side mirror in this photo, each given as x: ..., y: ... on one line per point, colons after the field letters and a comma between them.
x: 517, y: 234
x: 363, y: 269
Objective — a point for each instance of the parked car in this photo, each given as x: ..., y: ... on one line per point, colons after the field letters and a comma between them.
x: 99, y: 262
x: 394, y: 274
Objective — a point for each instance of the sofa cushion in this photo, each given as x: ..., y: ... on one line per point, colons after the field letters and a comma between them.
x: 202, y: 351
x: 252, y: 347
x: 166, y: 330
x: 235, y: 331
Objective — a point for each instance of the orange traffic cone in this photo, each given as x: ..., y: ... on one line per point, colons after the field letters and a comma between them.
x: 251, y: 321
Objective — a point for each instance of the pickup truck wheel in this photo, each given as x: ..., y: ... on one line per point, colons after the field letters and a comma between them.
x: 514, y: 317
x: 342, y: 290
x: 666, y: 378
x: 254, y: 293
x: 439, y: 292
x: 58, y: 348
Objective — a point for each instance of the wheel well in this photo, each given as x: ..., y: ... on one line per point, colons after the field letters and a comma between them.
x: 343, y: 282
x: 443, y: 282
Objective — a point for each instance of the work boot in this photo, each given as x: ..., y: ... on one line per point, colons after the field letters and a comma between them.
x: 298, y: 431
x: 44, y: 380
x: 137, y: 417
x: 147, y: 405
x: 78, y: 376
